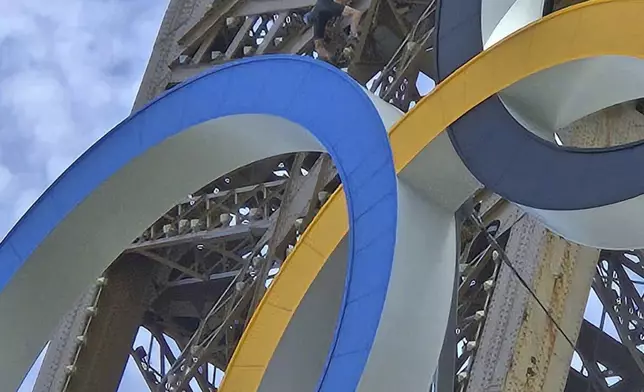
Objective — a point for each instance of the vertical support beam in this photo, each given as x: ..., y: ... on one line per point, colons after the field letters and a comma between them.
x: 297, y: 43
x: 364, y: 28
x: 124, y: 298
x: 179, y: 16
x: 63, y: 345
x: 521, y: 348
x: 444, y: 378
x: 401, y: 24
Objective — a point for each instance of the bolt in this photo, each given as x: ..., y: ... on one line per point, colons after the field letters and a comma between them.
x: 298, y: 223
x: 239, y: 286
x: 225, y: 219
x: 323, y: 196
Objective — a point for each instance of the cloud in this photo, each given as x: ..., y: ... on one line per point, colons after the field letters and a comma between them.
x: 67, y: 75
x: 5, y: 178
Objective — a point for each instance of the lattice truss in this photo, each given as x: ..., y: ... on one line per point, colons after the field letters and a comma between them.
x: 611, y: 337
x: 217, y: 250
x: 395, y: 45
x: 612, y: 334
x: 223, y: 244
x: 479, y: 264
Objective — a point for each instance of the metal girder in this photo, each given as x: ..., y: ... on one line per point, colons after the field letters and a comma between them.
x: 171, y: 264
x: 259, y: 7
x: 213, y: 237
x: 397, y: 81
x: 281, y: 228
x: 206, y: 338
x: 267, y: 42
x: 623, y: 304
x: 212, y: 339
x: 300, y: 198
x: 143, y: 359
x: 527, y: 331
x: 205, y: 24
x: 65, y: 346
x: 179, y: 15
x: 297, y: 38
x: 614, y: 358
x: 297, y: 202
x: 365, y: 28
x: 298, y: 44
x: 289, y: 44
x: 608, y: 365
x: 181, y: 73
x: 204, y: 28
x: 120, y: 306
x: 205, y: 45
x: 478, y: 268
x: 240, y: 36
x: 231, y: 232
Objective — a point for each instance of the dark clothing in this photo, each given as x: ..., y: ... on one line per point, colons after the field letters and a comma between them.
x: 324, y: 11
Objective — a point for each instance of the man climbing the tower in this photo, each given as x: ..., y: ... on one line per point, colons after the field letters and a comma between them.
x: 321, y: 14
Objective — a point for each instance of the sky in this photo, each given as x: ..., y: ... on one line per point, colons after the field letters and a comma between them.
x: 67, y: 75
x: 69, y: 72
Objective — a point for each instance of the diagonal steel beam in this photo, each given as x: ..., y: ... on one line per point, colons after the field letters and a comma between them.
x: 267, y: 43
x: 239, y: 38
x: 201, y: 28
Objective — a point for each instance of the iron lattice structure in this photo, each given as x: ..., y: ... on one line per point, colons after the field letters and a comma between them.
x: 204, y: 265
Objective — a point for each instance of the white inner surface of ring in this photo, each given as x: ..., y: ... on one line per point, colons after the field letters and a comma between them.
x: 500, y: 18
x: 554, y: 98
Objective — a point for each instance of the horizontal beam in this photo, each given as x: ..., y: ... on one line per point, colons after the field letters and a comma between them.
x: 202, y: 236
x: 201, y: 28
x: 183, y: 72
x: 244, y: 189
x: 257, y: 7
x: 296, y: 45
x: 171, y: 264
x: 212, y: 277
